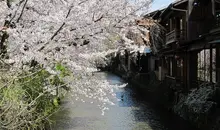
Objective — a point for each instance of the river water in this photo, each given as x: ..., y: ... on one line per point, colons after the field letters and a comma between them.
x: 128, y: 111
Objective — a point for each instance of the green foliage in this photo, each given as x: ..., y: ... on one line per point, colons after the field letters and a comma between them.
x: 56, y: 102
x: 26, y: 100
x: 62, y: 69
x: 34, y: 84
x: 55, y: 80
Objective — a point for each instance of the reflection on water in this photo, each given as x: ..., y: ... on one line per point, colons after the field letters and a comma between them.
x: 128, y: 113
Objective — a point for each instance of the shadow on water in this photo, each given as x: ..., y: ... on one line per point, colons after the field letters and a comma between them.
x: 156, y: 114
x: 130, y: 112
x: 132, y: 98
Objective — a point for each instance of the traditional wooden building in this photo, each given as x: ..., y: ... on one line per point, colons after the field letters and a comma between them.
x: 190, y: 56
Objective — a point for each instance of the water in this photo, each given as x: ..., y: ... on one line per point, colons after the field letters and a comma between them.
x: 129, y: 112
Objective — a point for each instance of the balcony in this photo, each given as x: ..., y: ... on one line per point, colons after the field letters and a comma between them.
x: 216, y: 26
x: 175, y: 35
x: 217, y: 19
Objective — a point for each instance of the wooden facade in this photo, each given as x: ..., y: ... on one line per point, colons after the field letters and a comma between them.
x: 191, y: 54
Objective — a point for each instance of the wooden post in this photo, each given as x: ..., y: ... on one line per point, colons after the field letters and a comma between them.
x: 213, y: 7
x: 192, y: 68
x: 185, y: 70
x: 129, y: 63
x: 171, y: 25
x: 188, y: 70
x: 217, y: 64
x: 211, y: 61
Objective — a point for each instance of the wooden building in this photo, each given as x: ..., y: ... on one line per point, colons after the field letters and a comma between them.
x: 190, y: 56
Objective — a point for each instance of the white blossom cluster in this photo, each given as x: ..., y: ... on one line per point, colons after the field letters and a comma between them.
x: 131, y: 43
x: 40, y: 26
x: 3, y: 13
x: 95, y: 89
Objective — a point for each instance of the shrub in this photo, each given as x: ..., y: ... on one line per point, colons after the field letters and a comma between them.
x: 27, y: 99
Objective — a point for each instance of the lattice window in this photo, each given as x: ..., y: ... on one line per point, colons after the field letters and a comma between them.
x: 207, y: 65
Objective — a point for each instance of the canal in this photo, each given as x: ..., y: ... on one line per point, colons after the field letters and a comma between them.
x: 120, y: 108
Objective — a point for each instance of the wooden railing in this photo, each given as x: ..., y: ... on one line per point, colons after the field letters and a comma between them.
x: 216, y: 24
x: 217, y: 21
x: 175, y: 35
x: 171, y: 37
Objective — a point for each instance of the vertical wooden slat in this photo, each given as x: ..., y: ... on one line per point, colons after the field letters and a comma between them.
x: 188, y: 70
x: 217, y: 64
x: 204, y: 58
x: 213, y: 7
x: 185, y: 69
x: 171, y: 24
x: 211, y: 62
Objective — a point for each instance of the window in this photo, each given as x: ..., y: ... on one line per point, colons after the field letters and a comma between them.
x: 207, y: 67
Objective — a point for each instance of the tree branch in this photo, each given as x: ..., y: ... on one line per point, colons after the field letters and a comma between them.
x: 22, y: 11
x: 82, y: 2
x: 99, y: 19
x: 55, y: 34
x: 59, y: 29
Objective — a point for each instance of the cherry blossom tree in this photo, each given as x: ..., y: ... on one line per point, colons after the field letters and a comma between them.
x: 78, y: 33
x: 38, y: 28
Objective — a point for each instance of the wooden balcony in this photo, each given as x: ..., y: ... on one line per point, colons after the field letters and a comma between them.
x: 175, y: 35
x: 217, y: 20
x: 216, y: 26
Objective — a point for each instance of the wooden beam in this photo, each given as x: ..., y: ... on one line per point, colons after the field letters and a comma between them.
x: 213, y: 7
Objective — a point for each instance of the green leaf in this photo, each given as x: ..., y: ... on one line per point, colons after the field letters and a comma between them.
x: 56, y: 102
